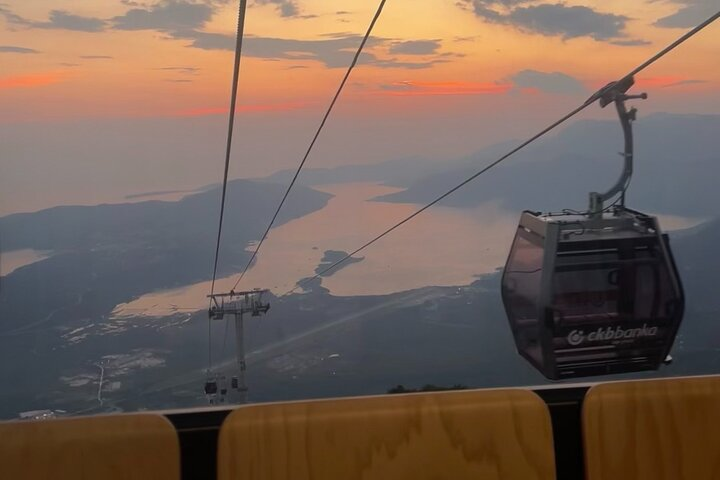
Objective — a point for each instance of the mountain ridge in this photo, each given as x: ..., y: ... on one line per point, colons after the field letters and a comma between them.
x: 674, y: 154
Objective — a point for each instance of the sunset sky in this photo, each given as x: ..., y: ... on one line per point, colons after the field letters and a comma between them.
x: 135, y: 93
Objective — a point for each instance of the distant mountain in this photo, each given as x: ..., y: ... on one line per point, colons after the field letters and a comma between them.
x: 107, y: 254
x: 677, y: 162
x: 392, y: 172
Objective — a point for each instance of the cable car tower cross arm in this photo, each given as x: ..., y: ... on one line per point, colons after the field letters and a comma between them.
x: 238, y: 304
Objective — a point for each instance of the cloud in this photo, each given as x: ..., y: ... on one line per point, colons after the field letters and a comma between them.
x: 96, y: 57
x: 568, y: 22
x: 692, y: 13
x: 34, y: 80
x: 415, y: 47
x: 187, y: 19
x: 165, y: 16
x: 66, y: 21
x: 411, y: 88
x: 549, y: 82
x: 13, y: 49
x: 630, y: 42
x: 286, y: 8
x: 57, y: 20
x: 470, y: 38
x: 666, y: 81
x: 394, y: 63
x: 334, y: 51
x: 11, y: 17
x: 548, y: 19
x: 181, y: 70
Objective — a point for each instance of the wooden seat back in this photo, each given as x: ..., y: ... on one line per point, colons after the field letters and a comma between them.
x: 491, y: 434
x: 113, y: 447
x: 658, y: 429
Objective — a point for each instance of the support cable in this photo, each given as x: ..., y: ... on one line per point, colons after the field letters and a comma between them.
x: 600, y: 93
x: 315, y: 137
x: 242, y: 8
x: 231, y: 123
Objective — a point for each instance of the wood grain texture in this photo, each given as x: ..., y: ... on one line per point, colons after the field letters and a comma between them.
x: 114, y: 447
x: 659, y: 429
x: 492, y: 434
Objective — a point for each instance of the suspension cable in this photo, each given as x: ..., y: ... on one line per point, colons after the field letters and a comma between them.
x: 242, y: 8
x: 314, y: 139
x: 231, y: 123
x: 672, y: 46
x: 524, y: 144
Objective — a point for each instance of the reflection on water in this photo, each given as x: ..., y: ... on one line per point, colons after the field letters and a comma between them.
x: 443, y: 246
x: 11, y: 261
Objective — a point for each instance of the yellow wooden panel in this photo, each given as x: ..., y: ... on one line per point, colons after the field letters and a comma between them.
x: 479, y: 435
x: 127, y: 447
x: 659, y: 429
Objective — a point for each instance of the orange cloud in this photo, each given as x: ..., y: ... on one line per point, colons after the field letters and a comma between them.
x: 410, y: 88
x: 204, y: 111
x: 34, y: 80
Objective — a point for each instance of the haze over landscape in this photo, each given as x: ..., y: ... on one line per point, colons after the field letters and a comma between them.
x: 112, y: 125
x: 103, y: 99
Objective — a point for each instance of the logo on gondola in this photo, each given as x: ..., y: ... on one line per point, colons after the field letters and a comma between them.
x: 576, y: 337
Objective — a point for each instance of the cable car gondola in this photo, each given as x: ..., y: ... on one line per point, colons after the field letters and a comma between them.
x: 596, y: 292
x: 211, y: 387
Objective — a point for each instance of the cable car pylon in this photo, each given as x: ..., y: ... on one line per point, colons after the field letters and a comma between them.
x: 237, y: 304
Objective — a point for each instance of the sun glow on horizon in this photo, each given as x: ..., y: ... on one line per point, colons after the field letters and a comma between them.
x: 31, y: 80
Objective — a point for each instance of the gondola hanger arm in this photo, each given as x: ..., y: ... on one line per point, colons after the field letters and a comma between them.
x: 616, y: 92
